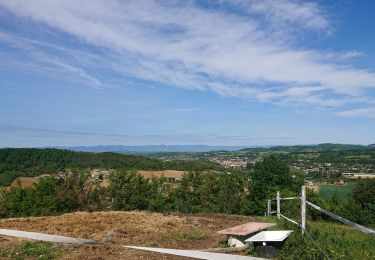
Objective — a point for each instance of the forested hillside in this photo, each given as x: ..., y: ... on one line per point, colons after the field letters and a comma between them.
x: 34, y: 162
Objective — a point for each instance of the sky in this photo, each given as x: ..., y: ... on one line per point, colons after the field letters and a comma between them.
x: 239, y: 72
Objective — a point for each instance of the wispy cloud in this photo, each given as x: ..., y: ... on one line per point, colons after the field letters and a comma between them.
x: 40, y: 60
x: 307, y: 15
x: 181, y: 44
x: 359, y: 112
x: 43, y: 137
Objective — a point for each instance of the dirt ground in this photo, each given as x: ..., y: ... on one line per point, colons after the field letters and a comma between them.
x: 127, y: 228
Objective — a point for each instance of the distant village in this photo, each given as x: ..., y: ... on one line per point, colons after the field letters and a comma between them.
x: 308, y: 166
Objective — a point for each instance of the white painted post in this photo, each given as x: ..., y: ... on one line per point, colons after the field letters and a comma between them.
x: 269, y: 208
x: 303, y: 209
x: 278, y: 204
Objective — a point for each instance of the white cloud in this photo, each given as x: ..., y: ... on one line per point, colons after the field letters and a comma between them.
x: 184, y: 45
x: 304, y: 14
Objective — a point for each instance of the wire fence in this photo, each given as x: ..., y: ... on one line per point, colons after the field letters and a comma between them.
x: 302, y: 224
x: 359, y: 227
x: 305, y: 202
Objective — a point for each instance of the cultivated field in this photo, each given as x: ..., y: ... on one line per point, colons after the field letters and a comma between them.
x: 125, y: 228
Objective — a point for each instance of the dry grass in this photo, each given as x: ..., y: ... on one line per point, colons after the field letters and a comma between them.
x: 24, y: 182
x: 127, y: 228
x: 165, y: 173
x: 314, y: 188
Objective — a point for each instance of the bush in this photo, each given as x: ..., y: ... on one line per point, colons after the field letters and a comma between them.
x: 51, y: 195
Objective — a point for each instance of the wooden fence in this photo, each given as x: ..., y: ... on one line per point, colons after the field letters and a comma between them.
x: 304, y: 202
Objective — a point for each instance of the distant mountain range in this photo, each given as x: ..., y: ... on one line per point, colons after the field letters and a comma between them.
x: 150, y: 148
x: 208, y: 148
x: 310, y: 148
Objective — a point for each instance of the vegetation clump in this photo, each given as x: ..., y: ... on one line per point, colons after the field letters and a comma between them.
x: 33, y: 250
x: 326, y: 241
x: 190, y: 235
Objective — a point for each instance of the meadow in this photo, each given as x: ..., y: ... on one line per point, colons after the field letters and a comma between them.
x: 327, y: 190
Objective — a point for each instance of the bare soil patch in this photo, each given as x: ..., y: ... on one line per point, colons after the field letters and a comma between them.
x: 24, y: 182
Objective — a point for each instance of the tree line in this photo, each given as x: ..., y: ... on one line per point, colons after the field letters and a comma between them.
x: 238, y: 192
x: 16, y: 162
x: 198, y: 191
x: 366, y: 156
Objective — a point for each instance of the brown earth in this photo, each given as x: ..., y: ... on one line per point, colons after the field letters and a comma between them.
x: 166, y: 173
x: 127, y: 228
x: 24, y: 182
x: 314, y: 188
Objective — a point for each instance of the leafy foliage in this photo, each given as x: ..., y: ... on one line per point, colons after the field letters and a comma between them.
x: 211, y: 192
x: 361, y: 205
x: 129, y: 191
x: 270, y: 176
x: 51, y: 195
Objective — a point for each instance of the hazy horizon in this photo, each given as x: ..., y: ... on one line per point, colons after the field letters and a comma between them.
x: 230, y: 147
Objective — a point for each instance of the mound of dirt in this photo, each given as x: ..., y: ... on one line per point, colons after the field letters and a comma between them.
x: 127, y: 228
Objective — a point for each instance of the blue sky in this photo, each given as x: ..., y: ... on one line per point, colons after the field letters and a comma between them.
x: 240, y: 72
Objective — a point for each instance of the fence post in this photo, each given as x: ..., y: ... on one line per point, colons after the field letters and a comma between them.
x: 278, y: 204
x: 269, y: 208
x: 303, y: 209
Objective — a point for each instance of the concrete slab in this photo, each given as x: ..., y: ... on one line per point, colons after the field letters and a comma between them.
x: 45, y: 237
x: 270, y: 236
x: 246, y: 229
x: 195, y: 253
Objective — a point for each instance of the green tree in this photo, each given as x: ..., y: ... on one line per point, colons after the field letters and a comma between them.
x: 186, y: 196
x: 51, y: 195
x: 159, y: 195
x: 361, y: 206
x: 128, y: 191
x: 269, y: 176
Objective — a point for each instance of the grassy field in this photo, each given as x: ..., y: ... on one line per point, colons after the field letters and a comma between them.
x: 308, y: 156
x: 335, y: 240
x: 32, y: 250
x: 326, y: 190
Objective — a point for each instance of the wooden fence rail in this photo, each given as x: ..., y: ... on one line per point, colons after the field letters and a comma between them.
x: 343, y: 220
x: 304, y: 202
